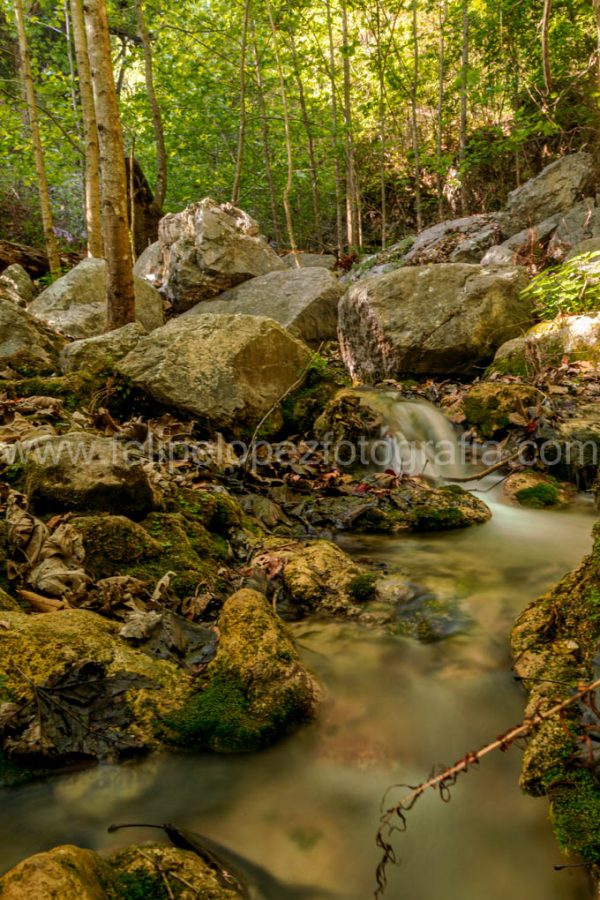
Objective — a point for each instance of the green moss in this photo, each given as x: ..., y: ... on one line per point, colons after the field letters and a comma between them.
x: 538, y: 496
x: 575, y: 813
x: 362, y: 587
x: 303, y: 406
x: 433, y: 518
x: 140, y: 885
x: 74, y: 389
x: 217, y: 511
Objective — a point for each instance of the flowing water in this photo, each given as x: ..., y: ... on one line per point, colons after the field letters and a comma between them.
x: 308, y: 809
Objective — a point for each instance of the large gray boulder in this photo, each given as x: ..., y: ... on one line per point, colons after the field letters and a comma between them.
x: 208, y: 248
x: 437, y: 243
x: 17, y: 281
x: 304, y: 301
x: 27, y: 346
x: 577, y: 225
x: 556, y: 189
x: 103, y: 351
x: 547, y: 343
x: 84, y: 472
x: 521, y: 245
x: 438, y: 320
x: 305, y: 260
x: 149, y: 264
x: 76, y: 303
x: 229, y: 371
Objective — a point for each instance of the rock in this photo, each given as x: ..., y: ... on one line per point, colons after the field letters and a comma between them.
x: 556, y: 189
x: 304, y: 301
x: 493, y: 406
x: 208, y: 248
x: 149, y: 264
x: 537, y: 491
x: 138, y: 874
x: 95, y: 676
x: 575, y: 226
x: 472, y: 249
x: 441, y: 319
x: 227, y: 370
x: 310, y: 260
x: 522, y: 246
x: 76, y: 303
x: 256, y: 688
x: 7, y: 603
x: 16, y: 280
x: 437, y: 243
x: 545, y: 345
x: 352, y: 415
x: 84, y: 472
x: 64, y: 873
x: 26, y: 345
x: 101, y: 352
x: 591, y: 245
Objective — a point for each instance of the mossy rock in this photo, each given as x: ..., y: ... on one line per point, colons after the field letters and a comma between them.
x: 140, y: 873
x: 303, y: 407
x: 447, y: 508
x: 217, y: 511
x: 491, y: 406
x: 67, y: 872
x: 255, y: 690
x: 75, y: 390
x: 575, y: 814
x: 352, y: 415
x: 537, y: 491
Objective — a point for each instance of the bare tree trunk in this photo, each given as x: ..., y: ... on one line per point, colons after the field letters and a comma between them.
x: 381, y: 116
x: 93, y: 222
x: 464, y: 99
x: 314, y: 180
x: 414, y: 115
x: 443, y: 17
x: 287, y: 193
x: 335, y: 133
x: 264, y: 127
x: 119, y: 294
x: 352, y: 194
x: 546, y: 46
x: 235, y: 191
x: 157, y: 123
x: 38, y: 152
x: 72, y: 85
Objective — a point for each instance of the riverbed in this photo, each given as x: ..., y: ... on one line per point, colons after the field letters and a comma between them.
x: 307, y: 810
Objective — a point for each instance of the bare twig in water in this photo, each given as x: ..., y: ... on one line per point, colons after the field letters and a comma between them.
x: 443, y: 781
x: 488, y: 471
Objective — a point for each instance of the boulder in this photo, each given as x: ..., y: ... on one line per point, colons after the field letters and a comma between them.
x: 76, y: 303
x: 492, y: 406
x: 443, y: 319
x: 143, y: 874
x: 591, y: 245
x: 577, y: 337
x: 208, y: 248
x: 26, y: 345
x: 556, y: 189
x: 437, y: 243
x: 304, y: 260
x: 256, y: 688
x: 149, y: 264
x: 102, y: 351
x: 523, y: 245
x: 96, y: 677
x: 64, y: 873
x: 229, y: 371
x: 575, y: 226
x: 17, y: 281
x: 537, y: 491
x: 304, y: 301
x: 84, y: 472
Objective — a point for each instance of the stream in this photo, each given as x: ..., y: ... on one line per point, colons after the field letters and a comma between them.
x: 307, y: 809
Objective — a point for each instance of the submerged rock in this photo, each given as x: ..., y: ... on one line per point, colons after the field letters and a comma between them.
x: 230, y: 371
x: 80, y: 471
x: 26, y: 346
x: 76, y: 303
x: 305, y: 301
x: 432, y: 320
x: 208, y: 248
x: 256, y: 688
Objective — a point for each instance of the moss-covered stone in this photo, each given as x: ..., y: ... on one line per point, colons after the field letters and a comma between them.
x: 537, y: 491
x: 447, y: 508
x: 158, y: 872
x: 67, y: 872
x: 302, y: 407
x: 352, y: 415
x: 491, y: 406
x: 255, y: 690
x: 217, y: 511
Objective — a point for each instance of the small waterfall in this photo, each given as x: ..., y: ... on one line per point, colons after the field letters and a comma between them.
x: 421, y: 440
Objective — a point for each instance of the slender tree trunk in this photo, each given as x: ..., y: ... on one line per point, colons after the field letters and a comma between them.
x: 72, y: 85
x: 159, y: 135
x: 464, y: 100
x: 335, y: 133
x: 264, y: 127
x: 38, y: 152
x: 119, y: 293
x: 381, y: 117
x: 312, y: 161
x: 352, y: 192
x: 93, y: 222
x: 597, y: 12
x: 546, y: 46
x: 237, y: 177
x: 414, y: 115
x: 443, y: 17
x: 287, y: 193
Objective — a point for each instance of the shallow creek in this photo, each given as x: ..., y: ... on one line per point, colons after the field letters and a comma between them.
x: 308, y: 809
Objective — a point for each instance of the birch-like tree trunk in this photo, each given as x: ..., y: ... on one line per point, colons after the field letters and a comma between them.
x: 93, y: 222
x: 237, y: 177
x: 119, y: 294
x: 353, y: 229
x: 160, y: 190
x: 443, y: 18
x: 335, y: 132
x: 264, y: 128
x: 464, y: 106
x: 414, y: 114
x: 36, y: 140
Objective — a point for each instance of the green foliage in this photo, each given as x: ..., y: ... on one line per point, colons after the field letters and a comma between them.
x: 575, y: 813
x: 140, y: 885
x: 570, y: 289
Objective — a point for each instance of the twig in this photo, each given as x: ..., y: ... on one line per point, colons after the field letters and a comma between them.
x: 161, y: 871
x: 488, y: 471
